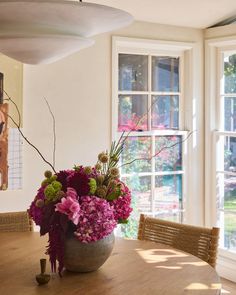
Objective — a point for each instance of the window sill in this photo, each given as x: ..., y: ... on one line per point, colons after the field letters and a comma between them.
x: 226, y: 265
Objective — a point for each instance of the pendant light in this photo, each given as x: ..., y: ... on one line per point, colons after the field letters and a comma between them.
x: 36, y: 32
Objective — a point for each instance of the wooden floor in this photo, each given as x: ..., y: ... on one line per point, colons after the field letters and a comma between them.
x: 228, y: 287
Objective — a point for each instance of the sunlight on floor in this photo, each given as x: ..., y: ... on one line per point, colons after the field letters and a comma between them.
x: 223, y: 291
x: 168, y: 267
x: 159, y: 255
x: 199, y: 286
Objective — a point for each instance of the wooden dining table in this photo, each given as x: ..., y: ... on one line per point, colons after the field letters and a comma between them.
x: 134, y: 268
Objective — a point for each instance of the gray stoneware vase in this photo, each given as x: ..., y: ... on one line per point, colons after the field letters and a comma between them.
x: 86, y: 257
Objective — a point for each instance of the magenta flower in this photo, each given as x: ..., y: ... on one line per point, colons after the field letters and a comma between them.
x: 80, y: 182
x: 62, y: 177
x: 34, y: 211
x: 121, y: 206
x: 96, y: 221
x: 70, y: 206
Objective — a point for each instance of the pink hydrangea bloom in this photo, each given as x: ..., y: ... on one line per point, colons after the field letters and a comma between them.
x: 122, y: 208
x: 70, y: 206
x: 96, y: 221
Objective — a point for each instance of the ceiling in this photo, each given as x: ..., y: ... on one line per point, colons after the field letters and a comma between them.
x: 187, y: 13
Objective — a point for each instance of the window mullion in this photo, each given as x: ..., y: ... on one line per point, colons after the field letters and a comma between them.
x: 228, y: 94
x: 149, y: 92
x: 153, y: 176
x: 181, y: 93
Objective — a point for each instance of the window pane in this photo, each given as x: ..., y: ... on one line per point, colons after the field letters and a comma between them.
x: 136, y: 148
x: 169, y: 159
x: 168, y: 196
x: 165, y: 74
x: 230, y: 193
x: 141, y: 202
x: 133, y: 72
x: 226, y: 191
x: 175, y: 216
x: 230, y: 73
x: 165, y: 112
x: 228, y: 229
x: 140, y: 187
x: 230, y: 113
x: 230, y: 154
x: 132, y: 113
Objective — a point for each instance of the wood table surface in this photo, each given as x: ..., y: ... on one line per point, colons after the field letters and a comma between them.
x: 135, y: 267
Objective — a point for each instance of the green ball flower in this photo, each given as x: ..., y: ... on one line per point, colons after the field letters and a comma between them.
x: 47, y: 174
x: 101, y: 193
x: 98, y: 167
x: 114, y: 172
x: 53, y: 178
x: 56, y: 185
x: 50, y: 193
x: 88, y: 170
x: 103, y: 157
x: 93, y: 186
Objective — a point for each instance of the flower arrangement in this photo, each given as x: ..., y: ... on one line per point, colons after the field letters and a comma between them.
x: 87, y: 202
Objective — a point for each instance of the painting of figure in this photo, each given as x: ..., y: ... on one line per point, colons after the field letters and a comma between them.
x: 11, y: 75
x: 3, y: 146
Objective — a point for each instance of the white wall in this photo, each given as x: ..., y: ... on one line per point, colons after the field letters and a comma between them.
x: 219, y: 32
x: 78, y: 89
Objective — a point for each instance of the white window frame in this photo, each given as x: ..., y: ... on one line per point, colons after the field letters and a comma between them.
x: 190, y: 109
x: 226, y: 265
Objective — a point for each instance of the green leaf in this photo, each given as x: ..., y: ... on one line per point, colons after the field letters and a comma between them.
x: 113, y: 195
x: 123, y: 221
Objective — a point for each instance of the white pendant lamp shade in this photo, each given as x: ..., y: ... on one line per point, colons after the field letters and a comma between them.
x: 34, y: 31
x: 42, y: 49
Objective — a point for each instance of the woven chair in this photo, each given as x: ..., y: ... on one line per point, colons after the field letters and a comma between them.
x: 198, y: 241
x: 15, y: 222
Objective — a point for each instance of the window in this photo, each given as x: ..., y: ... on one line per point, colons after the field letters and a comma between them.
x: 220, y: 148
x: 148, y: 99
x: 226, y: 150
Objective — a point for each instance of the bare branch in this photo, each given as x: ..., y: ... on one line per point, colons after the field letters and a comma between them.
x: 54, y: 132
x: 156, y: 154
x: 18, y: 125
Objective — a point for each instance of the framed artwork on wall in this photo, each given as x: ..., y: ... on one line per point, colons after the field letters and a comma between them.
x: 11, y: 82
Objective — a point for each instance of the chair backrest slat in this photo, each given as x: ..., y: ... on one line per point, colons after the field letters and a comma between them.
x: 199, y: 241
x: 15, y: 222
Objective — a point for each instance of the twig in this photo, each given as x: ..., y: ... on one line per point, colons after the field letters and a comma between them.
x: 18, y: 125
x: 156, y: 154
x: 54, y: 132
